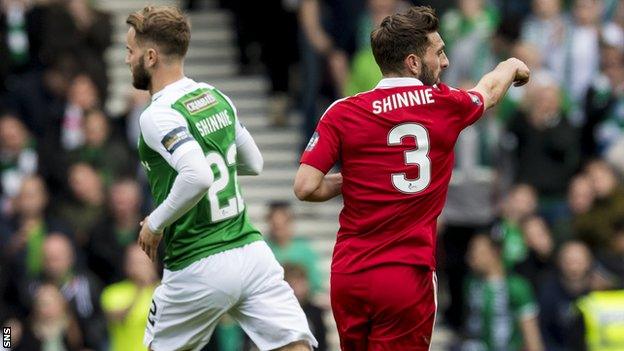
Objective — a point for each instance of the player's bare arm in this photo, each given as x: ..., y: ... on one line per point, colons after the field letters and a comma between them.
x: 315, y: 186
x: 494, y: 85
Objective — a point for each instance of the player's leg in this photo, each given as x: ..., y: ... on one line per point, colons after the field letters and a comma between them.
x: 188, y: 304
x: 268, y: 310
x: 351, y: 309
x: 405, y: 304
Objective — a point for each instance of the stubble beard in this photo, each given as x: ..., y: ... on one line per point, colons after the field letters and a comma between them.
x: 427, y: 77
x: 141, y: 78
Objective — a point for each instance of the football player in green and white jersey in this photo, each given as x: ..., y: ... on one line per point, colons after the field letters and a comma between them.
x: 192, y: 147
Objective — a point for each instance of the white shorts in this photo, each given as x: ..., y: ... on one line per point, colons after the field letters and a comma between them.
x: 245, y: 282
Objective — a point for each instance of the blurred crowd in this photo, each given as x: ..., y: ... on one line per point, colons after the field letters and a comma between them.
x: 531, y: 249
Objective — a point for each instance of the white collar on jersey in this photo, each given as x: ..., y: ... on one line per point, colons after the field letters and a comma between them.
x: 177, y: 84
x: 397, y: 82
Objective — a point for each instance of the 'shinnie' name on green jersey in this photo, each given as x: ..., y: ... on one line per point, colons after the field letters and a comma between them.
x: 219, y: 221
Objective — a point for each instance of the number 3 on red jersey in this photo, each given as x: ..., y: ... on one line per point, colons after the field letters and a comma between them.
x: 418, y: 156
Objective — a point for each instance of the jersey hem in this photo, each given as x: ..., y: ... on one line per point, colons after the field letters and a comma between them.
x: 197, y: 257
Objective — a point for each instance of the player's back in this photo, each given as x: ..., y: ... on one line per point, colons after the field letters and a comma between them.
x: 218, y: 222
x: 396, y: 147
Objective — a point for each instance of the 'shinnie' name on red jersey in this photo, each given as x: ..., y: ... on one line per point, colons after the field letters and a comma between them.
x: 396, y: 146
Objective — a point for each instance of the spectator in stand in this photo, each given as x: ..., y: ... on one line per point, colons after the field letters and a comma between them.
x: 540, y: 247
x: 580, y: 200
x: 257, y: 43
x: 30, y: 224
x: 20, y: 53
x: 18, y: 159
x: 611, y: 258
x: 68, y: 102
x: 82, y: 97
x: 604, y: 104
x: 14, y: 40
x: 582, y: 54
x: 278, y: 56
x: 328, y: 37
x: 558, y: 292
x: 248, y: 26
x: 472, y: 17
x: 22, y: 249
x: 480, y: 47
x: 297, y: 277
x: 512, y: 102
x: 85, y: 204
x: 286, y: 247
x: 502, y: 313
x: 364, y: 74
x: 101, y: 149
x: 544, y: 140
x: 127, y: 303
x: 520, y: 202
x: 50, y: 97
x: 79, y: 287
x: 596, y: 227
x: 545, y: 29
x: 599, y: 323
x: 110, y: 237
x: 76, y: 28
x: 51, y: 325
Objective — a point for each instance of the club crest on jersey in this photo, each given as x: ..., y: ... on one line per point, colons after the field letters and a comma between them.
x: 200, y: 103
x: 475, y: 99
x: 312, y: 143
x: 175, y: 138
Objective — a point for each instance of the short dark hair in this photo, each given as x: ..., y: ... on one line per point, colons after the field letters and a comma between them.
x: 165, y: 26
x: 402, y: 34
x: 279, y: 205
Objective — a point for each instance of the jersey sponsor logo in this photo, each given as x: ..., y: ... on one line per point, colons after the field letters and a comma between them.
x: 313, y: 141
x: 200, y: 103
x: 175, y: 138
x: 475, y: 99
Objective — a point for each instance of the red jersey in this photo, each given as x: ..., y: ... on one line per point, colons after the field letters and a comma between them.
x: 396, y: 146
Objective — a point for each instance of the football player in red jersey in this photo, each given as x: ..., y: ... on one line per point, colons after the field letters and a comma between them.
x: 395, y: 144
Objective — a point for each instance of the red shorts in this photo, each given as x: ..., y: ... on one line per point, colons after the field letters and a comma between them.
x: 385, y: 308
